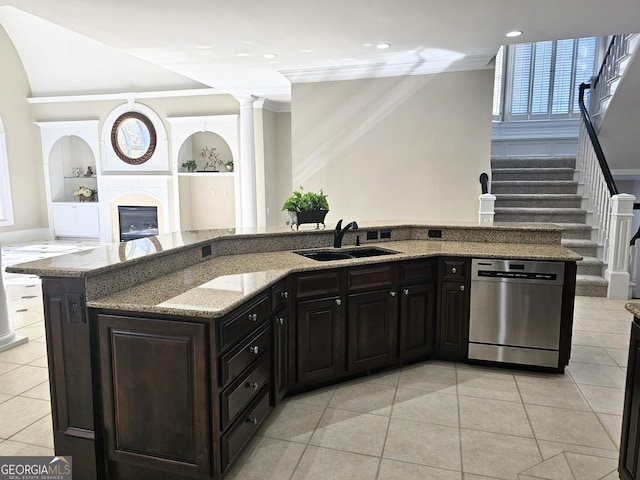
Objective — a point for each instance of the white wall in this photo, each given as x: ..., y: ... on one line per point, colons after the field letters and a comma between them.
x: 409, y: 148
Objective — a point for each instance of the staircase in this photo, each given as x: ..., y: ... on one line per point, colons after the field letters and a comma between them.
x: 542, y: 190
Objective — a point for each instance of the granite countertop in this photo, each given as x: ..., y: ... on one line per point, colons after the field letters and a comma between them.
x: 212, y: 288
x: 633, y: 307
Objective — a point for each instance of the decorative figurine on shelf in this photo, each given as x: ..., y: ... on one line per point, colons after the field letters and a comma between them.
x: 212, y: 158
x: 76, y: 172
x: 90, y: 172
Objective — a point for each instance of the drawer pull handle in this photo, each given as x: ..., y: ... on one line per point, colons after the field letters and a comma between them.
x: 254, y: 349
x: 462, y: 288
x: 454, y: 270
x: 253, y: 420
x: 392, y: 293
x: 284, y: 294
x: 280, y: 321
x: 338, y: 302
x: 405, y: 291
x: 254, y: 385
x: 253, y: 317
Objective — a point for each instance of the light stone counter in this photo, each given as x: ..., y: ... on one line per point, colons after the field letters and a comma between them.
x: 634, y: 308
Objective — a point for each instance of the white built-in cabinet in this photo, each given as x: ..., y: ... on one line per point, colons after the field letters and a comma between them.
x: 69, y: 152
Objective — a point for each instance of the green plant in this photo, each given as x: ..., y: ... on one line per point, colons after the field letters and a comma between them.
x: 229, y: 163
x: 301, y: 201
x: 189, y: 165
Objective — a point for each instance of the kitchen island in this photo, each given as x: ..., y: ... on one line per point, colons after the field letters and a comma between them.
x: 167, y: 353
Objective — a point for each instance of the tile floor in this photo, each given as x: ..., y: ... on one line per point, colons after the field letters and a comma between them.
x: 433, y: 420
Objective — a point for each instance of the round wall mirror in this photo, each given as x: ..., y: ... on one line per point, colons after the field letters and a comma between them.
x: 133, y: 138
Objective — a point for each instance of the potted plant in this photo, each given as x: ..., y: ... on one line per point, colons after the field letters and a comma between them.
x: 190, y: 165
x: 306, y: 207
x: 229, y: 165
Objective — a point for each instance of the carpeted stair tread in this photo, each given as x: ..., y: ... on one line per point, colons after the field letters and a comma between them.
x: 533, y: 162
x: 591, y: 280
x: 534, y: 210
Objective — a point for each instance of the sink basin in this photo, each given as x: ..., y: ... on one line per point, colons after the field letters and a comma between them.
x: 344, y: 254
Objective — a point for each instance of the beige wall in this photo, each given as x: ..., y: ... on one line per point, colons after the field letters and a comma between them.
x: 409, y: 148
x: 23, y: 151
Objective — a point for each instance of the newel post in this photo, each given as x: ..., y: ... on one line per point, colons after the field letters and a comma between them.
x: 8, y: 338
x: 617, y: 272
x: 486, y: 212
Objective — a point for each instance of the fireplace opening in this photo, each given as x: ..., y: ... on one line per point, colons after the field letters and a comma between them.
x: 137, y: 222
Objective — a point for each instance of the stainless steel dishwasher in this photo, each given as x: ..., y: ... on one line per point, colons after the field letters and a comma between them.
x: 515, y: 311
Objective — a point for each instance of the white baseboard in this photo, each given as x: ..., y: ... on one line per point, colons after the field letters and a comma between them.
x: 21, y: 236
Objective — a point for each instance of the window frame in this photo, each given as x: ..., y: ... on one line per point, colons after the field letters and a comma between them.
x: 6, y: 204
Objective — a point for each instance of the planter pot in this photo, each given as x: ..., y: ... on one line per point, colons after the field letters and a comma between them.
x: 314, y: 216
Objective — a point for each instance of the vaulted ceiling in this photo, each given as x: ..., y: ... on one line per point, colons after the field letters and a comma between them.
x: 71, y: 47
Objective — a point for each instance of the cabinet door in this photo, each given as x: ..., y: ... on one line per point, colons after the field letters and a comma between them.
x: 452, y: 329
x: 321, y: 340
x: 629, y: 464
x: 155, y: 396
x: 87, y: 224
x: 373, y: 322
x: 281, y: 354
x: 64, y: 219
x: 417, y: 311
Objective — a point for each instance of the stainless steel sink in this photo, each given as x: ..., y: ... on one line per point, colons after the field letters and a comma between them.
x: 328, y: 255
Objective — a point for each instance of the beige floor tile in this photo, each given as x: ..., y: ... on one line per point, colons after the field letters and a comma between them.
x: 386, y: 378
x: 18, y: 412
x: 364, y: 397
x: 32, y: 331
x: 497, y: 455
x: 554, y: 468
x: 602, y: 375
x: 7, y: 367
x: 495, y: 416
x: 551, y: 449
x: 431, y: 407
x: 41, y: 392
x: 471, y: 476
x: 586, y: 467
x: 619, y: 355
x: 604, y: 399
x: 393, y: 470
x: 621, y: 315
x: 611, y: 340
x: 613, y: 426
x: 431, y: 377
x: 267, y: 459
x: 351, y: 431
x: 606, y: 326
x: 38, y: 433
x: 568, y: 426
x: 320, y: 397
x: 294, y: 422
x: 487, y: 383
x: 11, y: 448
x: 22, y: 379
x: 4, y: 398
x: 587, y: 354
x: 322, y: 463
x: 583, y: 338
x: 24, y: 354
x: 423, y: 443
x: 550, y: 391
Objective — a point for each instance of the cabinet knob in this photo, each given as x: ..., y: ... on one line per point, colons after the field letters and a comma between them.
x: 454, y: 270
x: 253, y: 420
x: 462, y: 288
x: 284, y: 294
x: 405, y: 291
x: 254, y: 349
x: 338, y: 301
x: 392, y: 293
x: 253, y: 385
x: 280, y: 321
x: 253, y: 317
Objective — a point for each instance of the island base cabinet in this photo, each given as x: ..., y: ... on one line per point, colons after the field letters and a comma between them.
x: 629, y: 463
x: 155, y: 399
x: 452, y: 327
x: 417, y: 309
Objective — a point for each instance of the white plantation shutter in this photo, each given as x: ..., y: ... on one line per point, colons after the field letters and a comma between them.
x: 521, y: 79
x: 497, y: 84
x: 541, y: 78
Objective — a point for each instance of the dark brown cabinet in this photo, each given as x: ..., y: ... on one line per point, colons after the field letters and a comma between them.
x: 452, y: 325
x: 417, y: 311
x: 321, y: 340
x: 282, y: 342
x: 372, y: 330
x: 155, y: 398
x: 629, y: 463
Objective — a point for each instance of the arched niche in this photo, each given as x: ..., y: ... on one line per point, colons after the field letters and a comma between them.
x: 198, y: 147
x: 72, y: 164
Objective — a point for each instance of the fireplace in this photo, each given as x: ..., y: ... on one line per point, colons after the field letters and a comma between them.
x: 137, y: 222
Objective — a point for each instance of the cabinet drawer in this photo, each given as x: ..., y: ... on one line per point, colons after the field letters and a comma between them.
x: 279, y: 295
x: 323, y: 283
x: 417, y: 272
x: 375, y: 276
x: 242, y: 322
x: 453, y: 270
x: 236, y: 360
x: 237, y: 395
x: 234, y: 440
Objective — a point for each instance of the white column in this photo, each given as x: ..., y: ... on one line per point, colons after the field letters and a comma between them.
x: 247, y: 170
x: 617, y: 273
x: 8, y: 338
x: 487, y: 209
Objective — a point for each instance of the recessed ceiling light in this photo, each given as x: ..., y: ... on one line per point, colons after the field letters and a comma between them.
x: 514, y: 33
x: 270, y: 55
x: 382, y: 46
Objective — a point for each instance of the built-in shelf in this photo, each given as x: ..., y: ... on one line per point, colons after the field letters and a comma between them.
x: 210, y: 174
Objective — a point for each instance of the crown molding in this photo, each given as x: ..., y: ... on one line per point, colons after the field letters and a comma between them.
x: 127, y: 96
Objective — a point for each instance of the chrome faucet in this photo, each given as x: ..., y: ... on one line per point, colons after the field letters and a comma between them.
x: 339, y: 232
